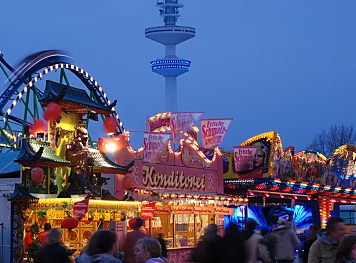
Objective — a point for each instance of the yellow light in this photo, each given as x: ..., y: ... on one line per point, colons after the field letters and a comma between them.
x: 111, y: 147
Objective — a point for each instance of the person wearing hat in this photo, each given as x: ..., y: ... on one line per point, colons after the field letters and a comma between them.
x: 131, y: 239
x: 254, y: 245
x: 287, y: 239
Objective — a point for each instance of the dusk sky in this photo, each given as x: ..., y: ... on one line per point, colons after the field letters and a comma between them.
x: 284, y: 65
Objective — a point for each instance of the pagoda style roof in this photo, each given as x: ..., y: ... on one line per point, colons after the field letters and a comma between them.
x: 72, y: 99
x: 39, y: 153
x: 21, y: 193
x: 102, y: 164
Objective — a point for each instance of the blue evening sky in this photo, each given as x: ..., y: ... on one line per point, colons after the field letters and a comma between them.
x: 284, y: 65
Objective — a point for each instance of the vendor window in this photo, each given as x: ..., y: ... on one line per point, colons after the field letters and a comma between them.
x: 181, y: 230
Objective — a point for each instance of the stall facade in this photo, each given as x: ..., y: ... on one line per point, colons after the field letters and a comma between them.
x: 287, y: 179
x: 181, y: 189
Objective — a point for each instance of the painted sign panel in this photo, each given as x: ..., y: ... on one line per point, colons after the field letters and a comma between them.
x: 245, y: 158
x: 261, y: 163
x: 155, y: 146
x: 181, y: 122
x: 213, y: 131
x: 80, y: 208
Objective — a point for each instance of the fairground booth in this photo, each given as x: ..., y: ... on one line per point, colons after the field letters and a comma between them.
x: 179, y: 184
x: 280, y: 182
x: 52, y: 171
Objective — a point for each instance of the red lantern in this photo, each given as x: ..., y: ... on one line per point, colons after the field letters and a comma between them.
x: 37, y: 175
x: 38, y: 126
x: 69, y: 223
x: 52, y: 112
x: 110, y: 125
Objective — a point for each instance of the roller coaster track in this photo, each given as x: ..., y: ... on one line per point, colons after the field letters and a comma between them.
x: 47, y: 60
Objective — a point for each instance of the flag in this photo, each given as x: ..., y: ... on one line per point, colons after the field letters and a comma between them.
x: 213, y: 131
x: 155, y: 145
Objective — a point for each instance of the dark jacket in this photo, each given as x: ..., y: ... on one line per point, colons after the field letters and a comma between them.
x: 129, y: 245
x: 163, y: 246
x: 206, y: 249
x: 96, y: 258
x: 54, y: 253
x: 307, y: 244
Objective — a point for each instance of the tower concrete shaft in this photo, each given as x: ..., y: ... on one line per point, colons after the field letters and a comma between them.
x: 170, y: 35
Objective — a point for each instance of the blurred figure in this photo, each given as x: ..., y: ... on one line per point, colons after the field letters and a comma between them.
x: 131, y: 239
x: 313, y: 232
x: 148, y: 250
x: 287, y: 239
x: 254, y: 245
x: 324, y: 249
x: 203, y: 253
x: 270, y: 239
x: 163, y: 244
x: 28, y: 239
x: 53, y: 251
x: 42, y: 235
x: 230, y: 249
x: 101, y: 248
x: 290, y: 223
x: 346, y: 252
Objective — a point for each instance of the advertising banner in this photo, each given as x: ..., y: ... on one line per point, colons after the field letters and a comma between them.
x: 80, y: 208
x: 182, y: 209
x: 159, y: 122
x: 182, y: 121
x: 213, y: 131
x: 244, y: 158
x: 204, y: 210
x: 155, y: 145
x: 147, y: 210
x: 162, y: 210
x: 220, y: 210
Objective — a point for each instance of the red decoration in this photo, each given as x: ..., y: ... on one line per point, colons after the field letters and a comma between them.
x: 52, y: 112
x: 132, y: 222
x: 37, y: 175
x: 110, y: 125
x: 127, y: 182
x: 38, y: 126
x: 69, y: 223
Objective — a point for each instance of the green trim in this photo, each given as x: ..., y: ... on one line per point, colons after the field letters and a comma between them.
x: 26, y: 109
x: 36, y: 95
x: 3, y: 70
x: 31, y: 113
x: 11, y: 143
x: 63, y: 75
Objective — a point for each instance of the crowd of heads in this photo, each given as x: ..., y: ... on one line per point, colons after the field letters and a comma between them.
x: 148, y: 249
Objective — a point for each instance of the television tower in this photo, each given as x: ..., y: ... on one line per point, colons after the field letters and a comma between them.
x: 170, y: 35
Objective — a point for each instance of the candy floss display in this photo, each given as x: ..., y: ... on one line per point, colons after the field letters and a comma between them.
x: 180, y: 184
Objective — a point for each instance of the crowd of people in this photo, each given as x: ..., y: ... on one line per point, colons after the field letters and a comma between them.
x: 281, y: 245
x: 330, y: 245
x: 102, y: 247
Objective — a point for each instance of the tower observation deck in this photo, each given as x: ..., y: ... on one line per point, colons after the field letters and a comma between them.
x: 170, y: 35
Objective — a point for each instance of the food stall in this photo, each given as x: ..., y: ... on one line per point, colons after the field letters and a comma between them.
x: 179, y: 184
x: 97, y: 214
x: 60, y: 167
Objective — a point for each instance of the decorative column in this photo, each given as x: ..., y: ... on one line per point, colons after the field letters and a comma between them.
x: 326, y: 206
